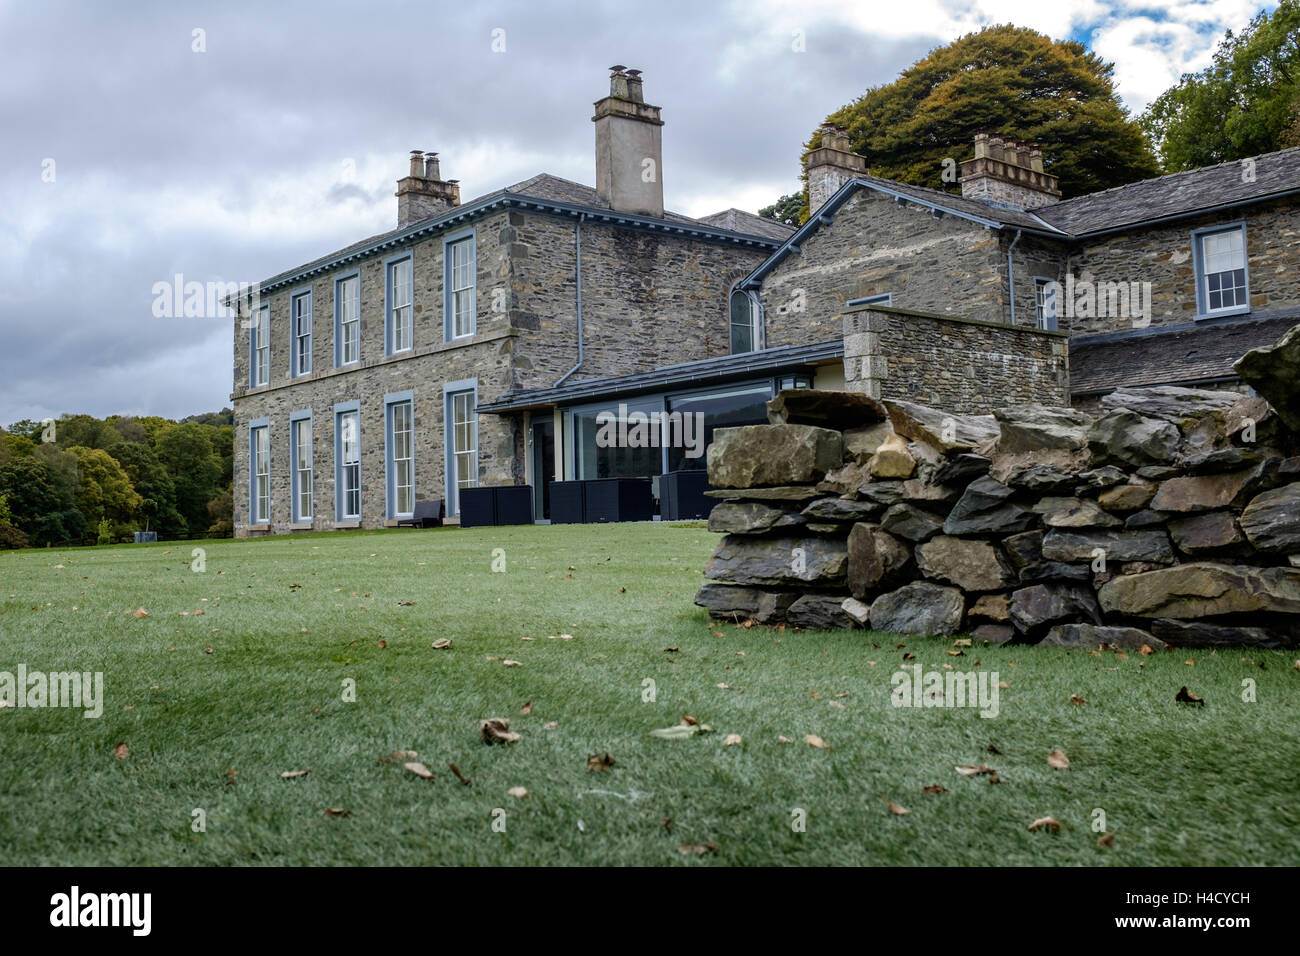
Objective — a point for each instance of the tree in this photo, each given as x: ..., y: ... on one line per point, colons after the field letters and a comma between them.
x: 155, y: 486
x: 1245, y: 103
x: 106, y: 495
x: 41, y: 502
x: 85, y: 431
x: 186, y: 452
x: 1005, y: 80
x: 786, y: 209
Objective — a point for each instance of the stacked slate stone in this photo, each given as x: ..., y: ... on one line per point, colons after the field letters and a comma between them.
x: 1171, y: 517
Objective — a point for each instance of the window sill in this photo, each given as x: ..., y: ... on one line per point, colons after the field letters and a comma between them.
x: 348, y: 523
x: 302, y: 526
x: 1221, y: 313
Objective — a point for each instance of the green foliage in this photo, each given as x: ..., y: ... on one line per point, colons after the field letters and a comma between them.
x: 85, y: 431
x: 105, y: 496
x: 41, y: 499
x: 786, y: 209
x: 1005, y: 80
x: 155, y: 486
x: 196, y: 469
x: 1245, y: 103
x: 104, y: 532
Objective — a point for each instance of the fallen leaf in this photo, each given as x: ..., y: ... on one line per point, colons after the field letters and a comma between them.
x: 420, y: 770
x: 551, y: 726
x: 1121, y: 655
x: 1058, y: 759
x: 836, y: 704
x: 724, y: 686
x: 1185, y: 696
x: 198, y: 611
x: 1003, y: 685
x: 290, y: 774
x: 1145, y: 650
x: 843, y: 693
x: 1075, y: 699
x: 897, y: 810
x: 675, y: 732
x: 517, y: 792
x: 812, y: 740
x: 599, y: 762
x: 934, y: 788
x: 993, y: 750
x: 969, y: 770
x: 399, y: 755
x: 731, y: 740
x: 696, y: 849
x: 140, y: 612
x: 689, y: 720
x: 1045, y: 823
x: 509, y: 663
x: 441, y: 644
x: 460, y: 776
x: 962, y: 642
x: 956, y: 653
x: 496, y: 730
x: 671, y: 650
x: 332, y: 812
x: 120, y: 751
x: 382, y: 645
x: 1106, y: 840
x: 527, y: 708
x: 783, y: 739
x: 909, y: 656
x: 1190, y: 662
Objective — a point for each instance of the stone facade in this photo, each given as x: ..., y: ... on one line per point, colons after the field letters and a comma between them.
x: 951, y: 362
x: 647, y: 300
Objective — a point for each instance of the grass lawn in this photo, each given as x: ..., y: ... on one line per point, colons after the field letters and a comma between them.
x: 214, y: 707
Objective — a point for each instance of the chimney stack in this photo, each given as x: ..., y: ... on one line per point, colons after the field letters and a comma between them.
x: 423, y: 193
x: 629, y: 147
x: 831, y: 165
x: 1006, y: 173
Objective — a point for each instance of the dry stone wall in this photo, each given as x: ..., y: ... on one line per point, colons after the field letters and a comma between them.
x: 1169, y: 517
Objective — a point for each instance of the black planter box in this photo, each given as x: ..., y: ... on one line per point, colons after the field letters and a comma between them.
x: 681, y: 495
x: 490, y: 506
x: 477, y: 507
x: 568, y: 502
x: 618, y: 499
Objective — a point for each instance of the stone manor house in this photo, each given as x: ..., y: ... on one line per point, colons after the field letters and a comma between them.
x: 476, y: 343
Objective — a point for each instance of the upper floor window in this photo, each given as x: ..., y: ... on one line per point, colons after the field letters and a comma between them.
x: 259, y: 367
x: 1222, y: 277
x: 1045, y: 303
x: 461, y: 302
x: 745, y: 311
x: 400, y: 318
x: 347, y: 320
x: 300, y: 316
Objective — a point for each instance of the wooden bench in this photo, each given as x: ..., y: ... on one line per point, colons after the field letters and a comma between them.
x: 425, y: 514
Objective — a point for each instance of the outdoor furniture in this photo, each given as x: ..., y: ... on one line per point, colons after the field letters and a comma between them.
x: 681, y: 495
x: 488, y: 506
x: 618, y: 499
x: 425, y: 514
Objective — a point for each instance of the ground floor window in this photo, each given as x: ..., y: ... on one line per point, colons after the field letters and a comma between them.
x: 462, y: 445
x: 300, y: 452
x: 348, y: 455
x: 401, y: 459
x: 260, y: 455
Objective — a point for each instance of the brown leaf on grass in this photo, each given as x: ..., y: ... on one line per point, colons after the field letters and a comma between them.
x: 843, y: 693
x: 1058, y: 759
x: 836, y: 704
x: 897, y: 810
x: 909, y: 656
x: 689, y: 721
x: 812, y: 740
x: 527, y: 708
x: 993, y: 750
x: 671, y: 650
x: 496, y: 730
x: 731, y: 740
x: 230, y: 777
x: 140, y: 612
x: 441, y: 643
x: 599, y: 763
x: 199, y: 611
x: 460, y: 776
x: 517, y: 792
x: 958, y: 653
x: 120, y: 751
x: 970, y: 770
x: 207, y: 650
x: 696, y: 849
x: 723, y: 686
x: 1190, y: 662
x: 1185, y: 696
x: 1003, y: 685
x: 509, y: 663
x: 934, y: 788
x: 1045, y: 823
x: 1145, y: 650
x: 290, y: 774
x: 399, y: 755
x: 1106, y: 841
x: 783, y: 739
x: 420, y: 770
x: 1076, y: 699
x: 382, y: 645
x: 335, y: 812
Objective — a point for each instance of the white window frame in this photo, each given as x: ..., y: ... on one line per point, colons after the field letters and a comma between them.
x: 1203, y: 308
x: 755, y: 321
x: 300, y: 334
x: 259, y: 348
x: 399, y: 304
x: 1046, y: 318
x: 347, y: 320
x: 460, y: 297
x: 464, y: 392
x: 259, y: 471
x: 395, y: 406
x: 300, y: 476
x: 347, y: 470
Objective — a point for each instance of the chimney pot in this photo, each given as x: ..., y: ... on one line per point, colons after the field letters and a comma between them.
x: 431, y: 166
x: 417, y: 164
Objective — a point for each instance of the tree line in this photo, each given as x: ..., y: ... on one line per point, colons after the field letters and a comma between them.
x: 79, y: 477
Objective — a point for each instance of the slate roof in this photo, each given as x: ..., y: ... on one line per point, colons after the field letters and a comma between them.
x: 1178, y: 194
x: 737, y: 220
x: 1181, y: 354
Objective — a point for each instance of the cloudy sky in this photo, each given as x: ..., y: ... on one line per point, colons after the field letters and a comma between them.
x: 133, y: 148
